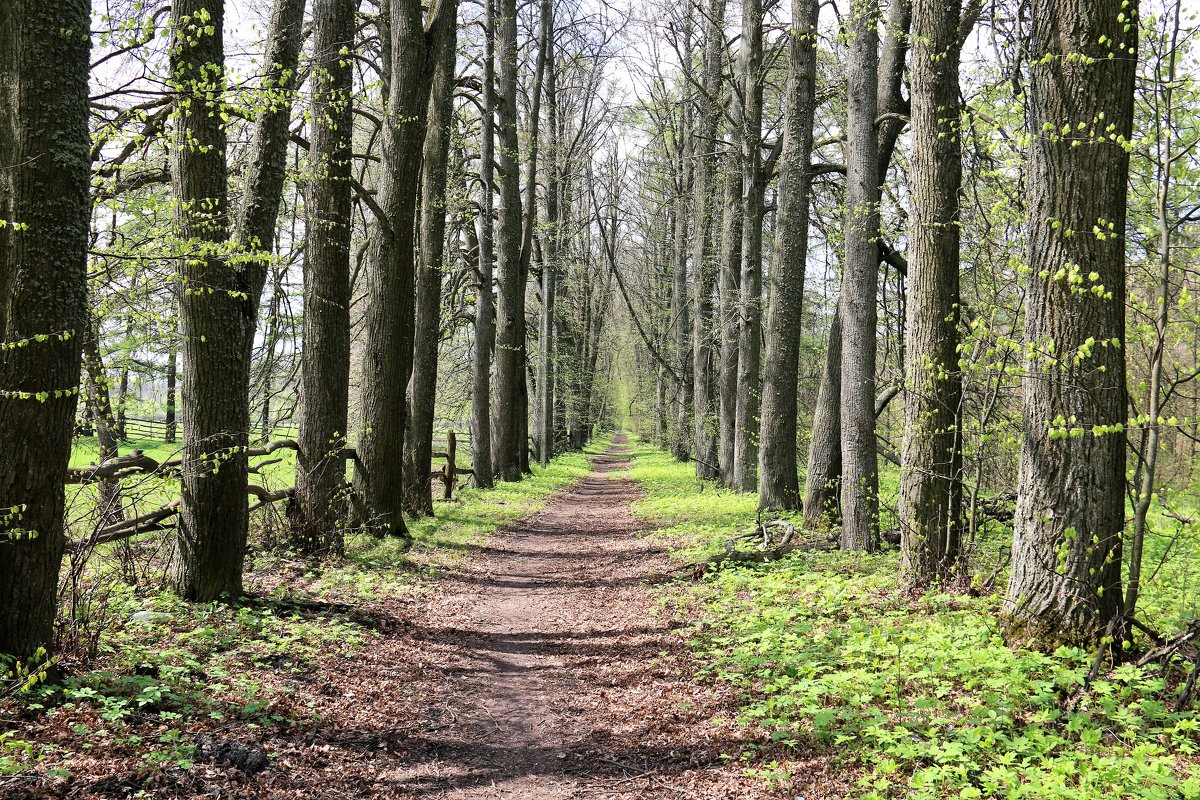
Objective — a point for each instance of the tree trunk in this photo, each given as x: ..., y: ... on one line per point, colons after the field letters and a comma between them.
x: 546, y: 377
x: 99, y: 408
x: 1066, y: 569
x: 210, y: 540
x: 823, y: 482
x: 930, y: 502
x: 745, y: 439
x: 423, y: 386
x: 485, y: 308
x: 378, y: 469
x: 860, y: 473
x: 704, y: 261
x: 681, y: 331
x: 780, y: 485
x: 510, y: 310
x: 44, y: 145
x: 730, y: 291
x: 171, y: 432
x: 325, y: 359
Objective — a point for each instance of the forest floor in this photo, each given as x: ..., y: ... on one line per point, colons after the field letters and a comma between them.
x: 543, y: 665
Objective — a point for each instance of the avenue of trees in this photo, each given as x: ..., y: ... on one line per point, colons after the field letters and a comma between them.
x: 806, y: 247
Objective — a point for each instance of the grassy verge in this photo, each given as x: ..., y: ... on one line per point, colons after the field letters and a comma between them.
x: 160, y: 671
x: 909, y: 697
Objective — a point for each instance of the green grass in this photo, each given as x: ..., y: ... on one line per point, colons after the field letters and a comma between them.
x: 911, y: 697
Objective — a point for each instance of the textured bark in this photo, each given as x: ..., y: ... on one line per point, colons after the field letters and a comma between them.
x: 704, y: 257
x: 510, y: 308
x: 1066, y: 569
x: 930, y: 502
x: 172, y: 378
x: 44, y: 146
x: 730, y: 291
x: 860, y: 473
x: 780, y: 486
x: 681, y: 330
x: 550, y: 249
x: 387, y: 354
x: 423, y: 386
x: 826, y: 449
x: 210, y: 540
x: 485, y: 308
x: 219, y: 304
x: 745, y: 436
x: 325, y: 360
x: 823, y: 481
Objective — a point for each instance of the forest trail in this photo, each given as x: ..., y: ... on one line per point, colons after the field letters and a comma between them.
x: 542, y: 669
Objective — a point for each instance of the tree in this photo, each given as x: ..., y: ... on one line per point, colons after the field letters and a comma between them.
x: 216, y: 318
x: 930, y: 502
x: 423, y: 386
x: 44, y: 212
x: 485, y: 308
x: 507, y: 438
x: 387, y: 356
x: 860, y: 472
x: 745, y: 437
x: 1066, y: 569
x: 325, y: 363
x: 779, y: 487
x: 704, y: 260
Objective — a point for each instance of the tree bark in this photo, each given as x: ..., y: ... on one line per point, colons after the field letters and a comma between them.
x: 823, y: 482
x: 210, y: 540
x: 745, y: 438
x: 44, y: 145
x: 860, y: 475
x: 485, y: 308
x: 546, y: 376
x: 325, y: 359
x: 730, y: 292
x: 387, y: 356
x: 423, y: 386
x: 704, y: 259
x: 681, y: 331
x: 510, y: 309
x: 930, y: 502
x: 1066, y: 569
x: 780, y: 486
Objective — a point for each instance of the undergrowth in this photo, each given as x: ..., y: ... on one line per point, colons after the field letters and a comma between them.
x: 162, y: 669
x: 914, y: 697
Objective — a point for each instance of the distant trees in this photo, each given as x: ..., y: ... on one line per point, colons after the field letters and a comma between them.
x: 44, y: 152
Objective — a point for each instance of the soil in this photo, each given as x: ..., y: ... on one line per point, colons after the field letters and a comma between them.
x: 543, y: 668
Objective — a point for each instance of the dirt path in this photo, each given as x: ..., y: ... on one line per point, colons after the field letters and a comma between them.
x: 543, y: 670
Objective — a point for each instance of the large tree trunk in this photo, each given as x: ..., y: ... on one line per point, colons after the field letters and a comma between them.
x: 1066, y: 570
x: 860, y: 474
x: 387, y: 356
x: 826, y: 448
x: 210, y: 540
x: 423, y: 386
x: 780, y: 485
x: 485, y: 308
x: 44, y: 147
x: 745, y: 437
x: 730, y: 302
x: 325, y: 360
x: 217, y: 325
x: 930, y: 503
x: 704, y: 257
x: 507, y: 429
x: 550, y: 248
x: 681, y: 330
